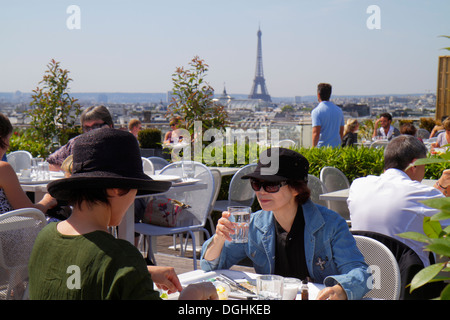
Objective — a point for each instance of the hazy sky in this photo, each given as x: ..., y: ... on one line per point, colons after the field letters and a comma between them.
x: 135, y: 46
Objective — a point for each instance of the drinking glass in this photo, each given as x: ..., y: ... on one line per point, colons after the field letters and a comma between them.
x: 43, y: 171
x: 291, y: 286
x: 269, y: 287
x: 35, y: 167
x: 240, y: 216
x: 188, y: 170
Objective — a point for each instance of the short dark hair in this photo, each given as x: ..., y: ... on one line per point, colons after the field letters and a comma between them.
x: 90, y: 196
x: 402, y: 150
x: 97, y: 113
x: 386, y: 115
x: 304, y: 193
x: 5, y: 129
x: 324, y: 91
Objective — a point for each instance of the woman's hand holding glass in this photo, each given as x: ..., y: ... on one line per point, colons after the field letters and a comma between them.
x: 224, y: 227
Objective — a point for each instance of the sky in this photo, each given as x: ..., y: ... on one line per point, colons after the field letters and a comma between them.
x: 135, y: 46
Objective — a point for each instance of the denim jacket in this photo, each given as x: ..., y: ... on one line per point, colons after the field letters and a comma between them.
x: 331, y: 253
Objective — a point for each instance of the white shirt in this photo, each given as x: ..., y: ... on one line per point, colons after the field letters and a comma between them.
x: 389, y: 204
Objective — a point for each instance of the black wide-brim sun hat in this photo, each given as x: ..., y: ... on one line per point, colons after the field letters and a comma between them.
x: 280, y: 164
x: 106, y: 158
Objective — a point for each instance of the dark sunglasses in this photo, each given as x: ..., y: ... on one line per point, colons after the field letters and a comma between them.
x: 269, y: 187
x: 94, y: 126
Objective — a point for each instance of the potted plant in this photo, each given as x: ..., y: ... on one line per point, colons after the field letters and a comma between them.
x: 150, y: 142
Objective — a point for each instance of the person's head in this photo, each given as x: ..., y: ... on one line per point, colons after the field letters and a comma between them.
x: 134, y: 126
x: 95, y: 117
x: 351, y: 126
x: 408, y: 128
x: 446, y: 124
x: 105, y: 161
x: 5, y: 131
x: 324, y: 91
x: 401, y: 152
x: 288, y: 182
x: 174, y: 123
x: 385, y: 120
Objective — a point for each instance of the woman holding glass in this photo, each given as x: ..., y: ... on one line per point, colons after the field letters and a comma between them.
x: 12, y: 196
x: 291, y: 236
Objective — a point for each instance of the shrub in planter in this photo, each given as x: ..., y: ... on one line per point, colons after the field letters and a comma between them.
x: 150, y: 138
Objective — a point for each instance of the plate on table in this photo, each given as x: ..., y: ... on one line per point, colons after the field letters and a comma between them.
x: 164, y: 177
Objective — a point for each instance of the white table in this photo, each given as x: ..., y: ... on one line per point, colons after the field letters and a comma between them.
x: 239, y: 276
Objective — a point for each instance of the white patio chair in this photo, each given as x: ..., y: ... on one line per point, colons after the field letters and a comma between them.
x: 317, y: 188
x: 386, y: 280
x: 334, y: 180
x: 20, y: 159
x: 240, y: 192
x: 194, y: 217
x: 18, y: 231
x: 158, y: 163
x: 147, y: 165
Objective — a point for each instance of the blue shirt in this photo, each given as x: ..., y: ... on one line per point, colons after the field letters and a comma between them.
x: 330, y: 119
x: 330, y: 250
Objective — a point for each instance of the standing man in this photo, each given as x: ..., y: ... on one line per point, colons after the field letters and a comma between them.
x: 327, y: 120
x: 387, y: 131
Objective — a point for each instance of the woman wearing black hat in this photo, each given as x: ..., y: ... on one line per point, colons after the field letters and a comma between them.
x: 78, y: 258
x: 291, y: 236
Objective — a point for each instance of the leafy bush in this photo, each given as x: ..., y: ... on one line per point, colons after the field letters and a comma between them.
x: 150, y: 138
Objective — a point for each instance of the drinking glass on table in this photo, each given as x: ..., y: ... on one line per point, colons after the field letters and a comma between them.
x: 43, y: 171
x: 240, y: 216
x: 35, y: 167
x: 188, y: 170
x: 269, y: 287
x: 291, y: 287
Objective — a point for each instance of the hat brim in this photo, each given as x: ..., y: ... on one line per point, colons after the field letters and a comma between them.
x: 61, y: 189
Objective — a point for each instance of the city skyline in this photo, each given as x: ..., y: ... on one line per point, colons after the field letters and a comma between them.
x: 136, y: 46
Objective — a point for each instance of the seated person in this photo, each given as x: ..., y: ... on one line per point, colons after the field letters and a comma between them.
x: 91, y: 118
x: 386, y: 129
x: 391, y: 203
x: 78, y: 258
x: 12, y: 197
x: 350, y: 137
x: 276, y: 234
x: 444, y: 137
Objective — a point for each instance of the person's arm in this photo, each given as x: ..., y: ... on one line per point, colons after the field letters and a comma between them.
x: 165, y: 278
x: 15, y: 194
x: 444, y: 182
x: 223, y: 230
x: 341, y: 132
x: 375, y: 128
x: 315, y: 135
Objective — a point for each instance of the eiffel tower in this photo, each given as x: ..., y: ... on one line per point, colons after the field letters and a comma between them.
x: 259, y: 80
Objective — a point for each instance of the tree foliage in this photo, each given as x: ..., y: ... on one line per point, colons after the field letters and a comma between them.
x: 193, y: 98
x: 53, y: 112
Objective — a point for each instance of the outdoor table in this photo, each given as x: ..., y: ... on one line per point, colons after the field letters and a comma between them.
x: 239, y: 276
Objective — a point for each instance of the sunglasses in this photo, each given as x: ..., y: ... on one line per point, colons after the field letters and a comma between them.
x: 269, y: 187
x: 94, y: 126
